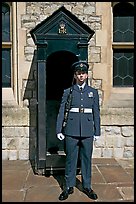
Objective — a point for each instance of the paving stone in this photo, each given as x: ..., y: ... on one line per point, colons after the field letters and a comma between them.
x: 16, y: 165
x: 12, y: 196
x: 107, y: 192
x: 105, y: 161
x: 42, y: 194
x: 98, y: 178
x: 130, y: 172
x: 114, y: 174
x: 126, y: 192
x: 126, y: 163
x: 14, y: 180
x: 38, y: 180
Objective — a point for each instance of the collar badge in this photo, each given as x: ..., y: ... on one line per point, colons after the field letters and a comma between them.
x: 90, y: 94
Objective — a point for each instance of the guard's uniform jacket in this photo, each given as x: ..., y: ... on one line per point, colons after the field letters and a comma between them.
x: 80, y: 123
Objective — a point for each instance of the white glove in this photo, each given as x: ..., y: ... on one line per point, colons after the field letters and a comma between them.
x: 96, y: 138
x: 60, y: 136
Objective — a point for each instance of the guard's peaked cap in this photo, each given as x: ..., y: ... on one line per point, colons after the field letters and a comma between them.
x: 80, y: 66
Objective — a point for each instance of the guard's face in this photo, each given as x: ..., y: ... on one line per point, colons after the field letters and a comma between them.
x: 80, y: 76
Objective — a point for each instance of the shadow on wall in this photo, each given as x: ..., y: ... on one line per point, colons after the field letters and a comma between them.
x: 30, y: 94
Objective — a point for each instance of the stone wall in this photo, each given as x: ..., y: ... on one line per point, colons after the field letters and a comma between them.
x: 19, y: 121
x: 15, y: 133
x: 117, y: 134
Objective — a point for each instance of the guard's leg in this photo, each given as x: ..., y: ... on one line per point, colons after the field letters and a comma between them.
x: 71, y: 161
x: 86, y: 161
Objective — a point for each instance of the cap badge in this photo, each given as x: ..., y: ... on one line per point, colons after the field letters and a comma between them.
x: 81, y: 65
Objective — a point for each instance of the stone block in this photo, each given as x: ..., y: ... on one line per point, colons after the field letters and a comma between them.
x: 128, y: 131
x: 4, y: 154
x: 13, y: 155
x: 23, y: 154
x: 24, y: 143
x: 96, y: 152
x: 128, y: 152
x: 107, y: 152
x: 118, y: 152
x: 15, y: 116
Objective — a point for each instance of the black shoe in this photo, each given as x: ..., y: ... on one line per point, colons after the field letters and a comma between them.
x: 90, y: 193
x: 64, y: 195
x: 70, y: 190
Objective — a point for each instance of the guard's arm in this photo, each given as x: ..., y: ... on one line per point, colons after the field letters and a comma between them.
x: 96, y: 114
x: 60, y: 117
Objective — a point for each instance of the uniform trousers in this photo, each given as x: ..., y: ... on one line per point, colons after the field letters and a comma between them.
x: 72, y: 151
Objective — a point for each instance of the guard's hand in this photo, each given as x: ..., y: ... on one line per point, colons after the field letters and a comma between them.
x: 60, y: 136
x: 96, y: 138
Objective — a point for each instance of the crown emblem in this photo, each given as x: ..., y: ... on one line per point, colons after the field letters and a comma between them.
x: 62, y: 29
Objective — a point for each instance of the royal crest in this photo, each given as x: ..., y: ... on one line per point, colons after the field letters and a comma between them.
x: 62, y: 29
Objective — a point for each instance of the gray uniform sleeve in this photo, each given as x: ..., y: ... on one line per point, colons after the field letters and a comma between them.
x: 96, y: 114
x: 60, y: 116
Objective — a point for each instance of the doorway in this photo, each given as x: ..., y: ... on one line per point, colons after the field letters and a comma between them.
x: 59, y: 76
